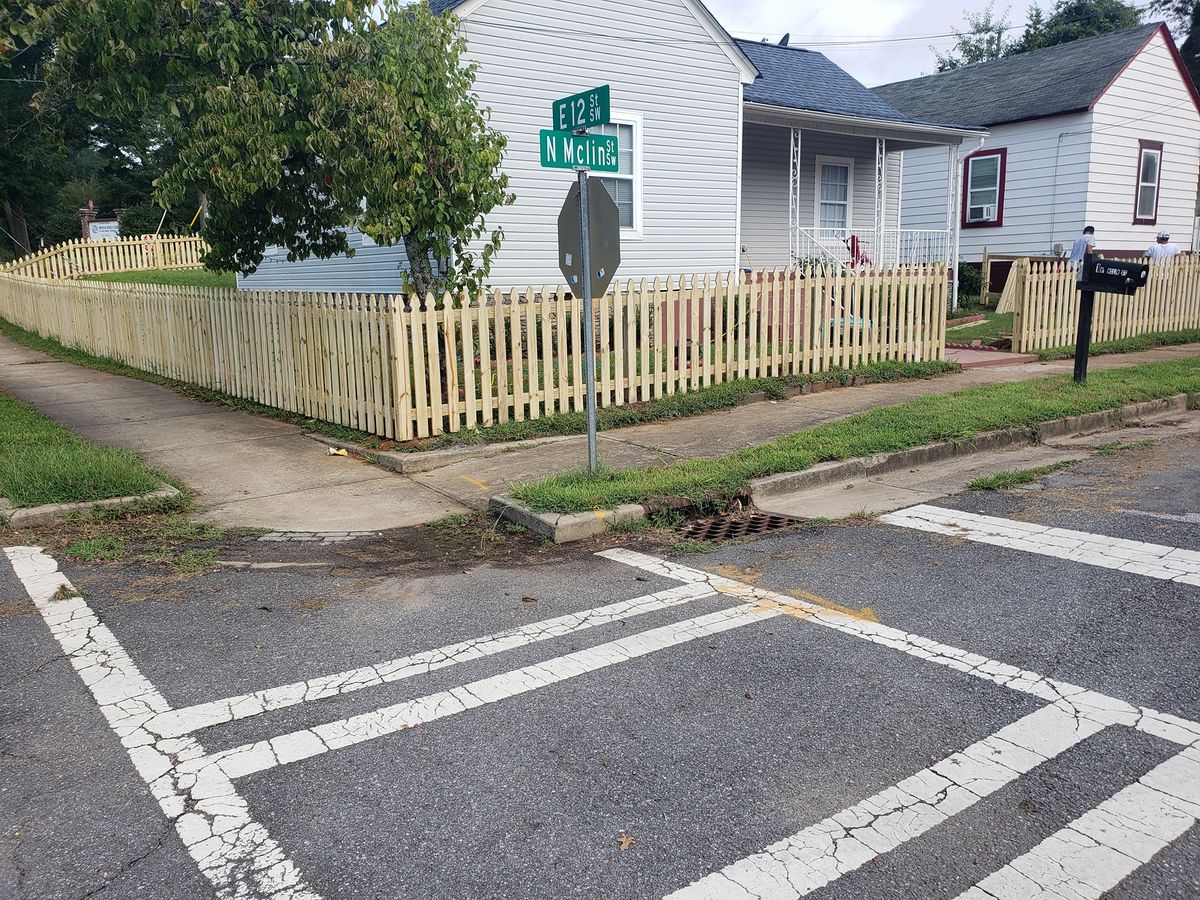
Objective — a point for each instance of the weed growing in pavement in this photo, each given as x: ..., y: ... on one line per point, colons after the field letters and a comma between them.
x: 64, y: 592
x: 685, y: 547
x: 930, y: 419
x: 631, y: 526
x: 1116, y: 447
x: 100, y: 549
x: 1014, y: 477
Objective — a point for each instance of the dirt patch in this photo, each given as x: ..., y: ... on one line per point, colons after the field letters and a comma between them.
x: 22, y: 606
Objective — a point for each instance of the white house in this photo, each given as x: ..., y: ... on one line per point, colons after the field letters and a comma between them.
x: 1103, y: 131
x: 732, y: 153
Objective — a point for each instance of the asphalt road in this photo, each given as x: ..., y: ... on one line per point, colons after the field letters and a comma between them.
x: 922, y: 714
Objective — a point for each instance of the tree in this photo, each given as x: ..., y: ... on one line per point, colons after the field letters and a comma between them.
x: 1184, y: 16
x: 1190, y: 51
x: 295, y: 119
x: 1034, y: 35
x: 1075, y: 19
x: 984, y: 39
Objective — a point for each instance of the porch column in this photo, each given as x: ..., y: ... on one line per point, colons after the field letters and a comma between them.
x: 794, y: 197
x: 880, y: 199
x: 953, y: 211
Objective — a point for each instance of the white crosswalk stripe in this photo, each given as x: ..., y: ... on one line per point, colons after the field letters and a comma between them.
x: 1136, y: 557
x: 1090, y: 856
x: 815, y: 856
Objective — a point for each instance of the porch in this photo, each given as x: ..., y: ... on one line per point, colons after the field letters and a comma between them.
x: 829, y: 192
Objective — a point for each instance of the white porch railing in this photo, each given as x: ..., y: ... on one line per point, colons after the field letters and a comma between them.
x: 887, y: 247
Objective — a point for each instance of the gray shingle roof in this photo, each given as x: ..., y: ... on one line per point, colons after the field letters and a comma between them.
x: 440, y: 6
x: 1032, y: 85
x: 804, y: 79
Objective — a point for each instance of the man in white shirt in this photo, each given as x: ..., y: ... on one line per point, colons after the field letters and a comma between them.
x: 1084, y: 244
x: 1162, y: 248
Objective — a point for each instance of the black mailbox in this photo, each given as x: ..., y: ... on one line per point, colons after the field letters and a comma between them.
x: 1113, y: 277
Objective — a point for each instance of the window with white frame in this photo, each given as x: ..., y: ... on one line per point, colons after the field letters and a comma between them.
x: 984, y: 189
x: 622, y: 185
x: 1145, y: 210
x: 835, y: 182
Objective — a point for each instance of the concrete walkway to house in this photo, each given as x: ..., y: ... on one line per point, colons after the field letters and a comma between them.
x: 249, y: 470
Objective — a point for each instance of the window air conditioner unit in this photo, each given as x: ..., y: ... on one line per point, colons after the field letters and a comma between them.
x: 989, y: 213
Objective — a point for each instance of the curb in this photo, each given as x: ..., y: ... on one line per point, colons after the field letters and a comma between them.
x: 826, y: 473
x: 428, y: 460
x: 52, y: 513
x: 562, y: 528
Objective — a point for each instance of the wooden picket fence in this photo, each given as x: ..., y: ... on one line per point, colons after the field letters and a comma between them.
x: 1046, y: 303
x: 372, y: 363
x: 77, y: 258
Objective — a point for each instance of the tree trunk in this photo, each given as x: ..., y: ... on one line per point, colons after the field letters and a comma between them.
x: 18, y: 230
x: 420, y: 269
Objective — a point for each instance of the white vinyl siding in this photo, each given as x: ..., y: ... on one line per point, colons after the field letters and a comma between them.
x: 1151, y: 93
x: 1041, y: 208
x: 373, y: 269
x: 664, y: 67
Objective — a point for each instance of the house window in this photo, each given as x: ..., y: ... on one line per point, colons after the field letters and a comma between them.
x: 835, y: 187
x: 622, y: 185
x: 983, y: 189
x: 1149, y: 175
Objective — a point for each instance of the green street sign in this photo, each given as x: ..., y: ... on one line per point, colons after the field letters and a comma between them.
x: 582, y: 110
x: 563, y: 150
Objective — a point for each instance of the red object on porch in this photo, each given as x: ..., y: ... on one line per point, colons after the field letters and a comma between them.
x: 858, y: 256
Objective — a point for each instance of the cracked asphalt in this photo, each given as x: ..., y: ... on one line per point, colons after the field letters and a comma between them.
x: 829, y: 707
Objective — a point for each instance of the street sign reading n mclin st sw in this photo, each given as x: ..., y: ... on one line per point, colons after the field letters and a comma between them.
x: 563, y: 150
x: 582, y: 110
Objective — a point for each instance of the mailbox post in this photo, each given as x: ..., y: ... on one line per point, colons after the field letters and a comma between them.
x: 1109, y: 277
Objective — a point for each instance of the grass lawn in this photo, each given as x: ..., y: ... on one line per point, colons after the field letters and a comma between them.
x: 953, y: 417
x: 996, y: 324
x: 189, y: 277
x: 43, y: 462
x: 1127, y: 345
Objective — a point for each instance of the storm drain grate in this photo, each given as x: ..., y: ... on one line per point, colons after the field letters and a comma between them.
x: 720, y: 528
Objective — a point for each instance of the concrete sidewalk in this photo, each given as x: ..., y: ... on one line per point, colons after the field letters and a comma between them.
x: 249, y: 470
x: 473, y: 482
x: 244, y: 469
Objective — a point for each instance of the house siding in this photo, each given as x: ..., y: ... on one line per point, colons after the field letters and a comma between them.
x: 766, y: 175
x: 669, y: 72
x: 1151, y: 83
x: 1041, y: 209
x: 372, y: 269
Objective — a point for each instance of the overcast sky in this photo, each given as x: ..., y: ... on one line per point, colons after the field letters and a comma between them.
x: 876, y: 41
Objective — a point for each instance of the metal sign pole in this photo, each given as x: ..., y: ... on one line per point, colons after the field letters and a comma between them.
x: 1083, y: 337
x: 589, y: 330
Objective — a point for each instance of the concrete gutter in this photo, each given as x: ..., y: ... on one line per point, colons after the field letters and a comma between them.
x: 52, y: 513
x: 562, y: 528
x: 428, y: 460
x: 842, y: 470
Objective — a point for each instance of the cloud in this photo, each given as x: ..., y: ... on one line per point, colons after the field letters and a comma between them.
x: 876, y: 41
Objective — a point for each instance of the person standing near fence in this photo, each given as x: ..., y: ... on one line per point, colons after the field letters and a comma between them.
x: 1162, y: 248
x: 1084, y: 244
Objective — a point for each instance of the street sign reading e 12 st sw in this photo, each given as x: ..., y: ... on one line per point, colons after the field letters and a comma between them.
x: 582, y: 110
x: 563, y: 150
